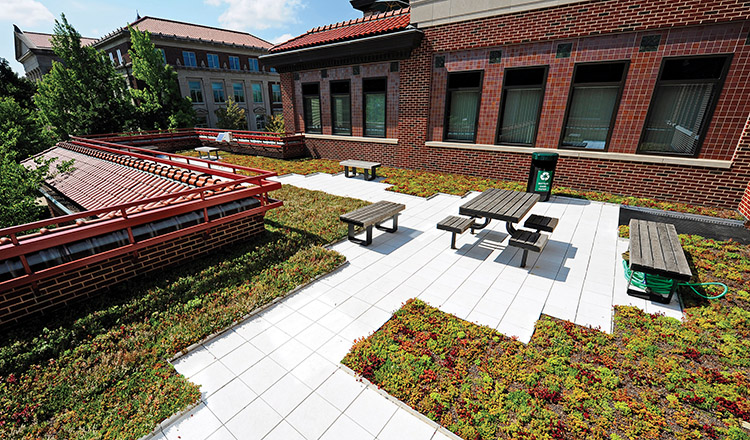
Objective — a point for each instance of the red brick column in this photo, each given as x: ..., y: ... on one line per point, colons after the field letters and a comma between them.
x: 414, y: 106
x: 741, y: 165
x: 287, y: 100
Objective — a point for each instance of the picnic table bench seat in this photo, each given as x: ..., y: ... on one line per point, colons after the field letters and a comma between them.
x: 455, y: 225
x: 528, y: 241
x: 372, y: 215
x: 368, y: 168
x: 541, y: 223
x: 655, y: 249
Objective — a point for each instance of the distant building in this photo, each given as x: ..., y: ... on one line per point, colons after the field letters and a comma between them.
x: 638, y: 97
x: 34, y: 51
x: 212, y: 65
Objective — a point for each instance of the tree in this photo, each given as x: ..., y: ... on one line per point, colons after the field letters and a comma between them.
x: 20, y: 132
x: 232, y: 117
x: 159, y: 104
x: 20, y: 89
x: 83, y: 94
x: 275, y: 124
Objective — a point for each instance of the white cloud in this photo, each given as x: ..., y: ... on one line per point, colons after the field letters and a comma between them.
x: 257, y: 14
x: 282, y: 38
x: 25, y: 13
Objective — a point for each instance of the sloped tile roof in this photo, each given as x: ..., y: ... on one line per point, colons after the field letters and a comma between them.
x: 196, y: 31
x: 44, y: 41
x: 97, y: 183
x: 362, y: 27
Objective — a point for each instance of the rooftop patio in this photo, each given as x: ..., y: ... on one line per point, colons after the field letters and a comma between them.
x: 277, y: 375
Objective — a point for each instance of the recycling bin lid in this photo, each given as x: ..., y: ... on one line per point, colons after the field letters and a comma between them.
x: 544, y: 156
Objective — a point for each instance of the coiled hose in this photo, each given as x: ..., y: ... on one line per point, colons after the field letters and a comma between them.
x: 662, y: 285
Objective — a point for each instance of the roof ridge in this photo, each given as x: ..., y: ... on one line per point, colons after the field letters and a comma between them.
x: 372, y: 17
x: 195, y: 24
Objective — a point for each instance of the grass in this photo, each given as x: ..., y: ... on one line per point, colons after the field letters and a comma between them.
x: 100, y: 371
x: 425, y: 184
x: 653, y: 378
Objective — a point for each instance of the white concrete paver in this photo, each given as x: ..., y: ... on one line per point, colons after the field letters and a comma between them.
x: 278, y: 375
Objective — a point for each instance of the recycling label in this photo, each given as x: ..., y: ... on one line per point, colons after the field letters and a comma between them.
x: 543, y: 180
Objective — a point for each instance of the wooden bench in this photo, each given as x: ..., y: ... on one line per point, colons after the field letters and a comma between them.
x: 208, y: 151
x: 541, y: 223
x: 368, y: 168
x: 370, y: 216
x: 455, y: 225
x: 655, y: 249
x: 528, y: 241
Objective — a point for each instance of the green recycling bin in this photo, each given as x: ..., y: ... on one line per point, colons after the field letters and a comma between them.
x: 541, y: 174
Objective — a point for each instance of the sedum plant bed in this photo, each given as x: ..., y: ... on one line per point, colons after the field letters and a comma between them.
x: 653, y: 378
x: 101, y: 371
x: 426, y: 184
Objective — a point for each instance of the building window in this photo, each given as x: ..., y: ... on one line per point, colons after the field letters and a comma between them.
x: 112, y: 58
x: 234, y: 63
x: 201, y: 121
x: 592, y: 105
x: 276, y: 93
x: 252, y: 64
x: 218, y: 88
x: 374, y: 90
x: 311, y: 108
x: 213, y: 61
x: 521, y: 105
x: 273, y: 70
x: 239, y: 92
x: 462, y: 106
x: 119, y: 56
x: 260, y: 122
x: 341, y: 108
x: 196, y: 91
x: 188, y: 59
x: 682, y: 104
x: 163, y: 55
x: 257, y: 93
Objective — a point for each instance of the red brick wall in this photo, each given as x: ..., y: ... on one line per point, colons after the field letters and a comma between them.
x: 63, y: 290
x: 342, y: 150
x: 289, y: 103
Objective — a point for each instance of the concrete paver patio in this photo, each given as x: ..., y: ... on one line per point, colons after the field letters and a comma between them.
x: 277, y: 375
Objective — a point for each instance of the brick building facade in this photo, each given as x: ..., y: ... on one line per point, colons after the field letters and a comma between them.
x: 694, y: 55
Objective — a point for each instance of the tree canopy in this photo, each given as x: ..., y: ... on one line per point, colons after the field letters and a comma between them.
x: 20, y: 89
x: 232, y: 117
x: 159, y: 103
x: 83, y: 94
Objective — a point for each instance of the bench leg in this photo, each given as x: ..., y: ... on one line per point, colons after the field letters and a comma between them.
x: 523, y: 257
x: 475, y: 226
x: 354, y: 239
x: 374, y: 174
x: 392, y: 229
x: 453, y: 240
x: 346, y: 171
x: 367, y: 173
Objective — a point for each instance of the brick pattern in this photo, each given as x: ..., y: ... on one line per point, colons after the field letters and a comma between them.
x: 287, y: 151
x: 342, y: 150
x: 725, y: 127
x: 52, y: 294
x: 742, y: 162
x: 292, y: 113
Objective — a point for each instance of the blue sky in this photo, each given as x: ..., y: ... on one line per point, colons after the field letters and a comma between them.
x: 272, y: 20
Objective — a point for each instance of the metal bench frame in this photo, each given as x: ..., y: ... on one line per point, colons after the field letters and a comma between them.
x: 369, y: 169
x: 374, y: 215
x: 455, y: 225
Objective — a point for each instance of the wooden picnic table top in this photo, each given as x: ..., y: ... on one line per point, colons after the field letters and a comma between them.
x: 655, y: 248
x: 500, y: 204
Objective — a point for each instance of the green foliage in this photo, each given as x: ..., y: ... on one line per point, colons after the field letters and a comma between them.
x: 653, y: 378
x: 160, y: 104
x: 11, y: 85
x: 83, y: 94
x: 231, y: 117
x: 20, y: 132
x: 102, y: 374
x: 275, y: 124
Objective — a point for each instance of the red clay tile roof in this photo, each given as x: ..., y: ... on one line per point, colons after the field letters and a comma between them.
x: 196, y: 31
x: 44, y: 41
x: 96, y: 183
x: 348, y: 30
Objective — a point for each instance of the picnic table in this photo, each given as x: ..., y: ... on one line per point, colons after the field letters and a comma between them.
x: 208, y: 151
x: 499, y: 204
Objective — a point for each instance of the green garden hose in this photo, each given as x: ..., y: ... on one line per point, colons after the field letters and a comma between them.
x: 662, y: 285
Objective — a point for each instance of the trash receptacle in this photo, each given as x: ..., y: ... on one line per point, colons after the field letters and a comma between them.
x: 541, y: 174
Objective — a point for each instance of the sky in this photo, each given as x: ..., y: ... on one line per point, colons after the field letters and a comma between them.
x: 271, y: 20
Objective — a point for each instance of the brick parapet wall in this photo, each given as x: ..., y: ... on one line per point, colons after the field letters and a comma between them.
x: 284, y: 152
x: 60, y: 291
x: 386, y: 154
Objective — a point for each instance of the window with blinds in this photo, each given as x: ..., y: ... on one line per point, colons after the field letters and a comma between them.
x: 521, y: 105
x: 462, y: 106
x: 311, y: 108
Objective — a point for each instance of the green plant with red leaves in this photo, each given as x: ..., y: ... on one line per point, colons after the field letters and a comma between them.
x: 653, y: 378
x: 101, y: 372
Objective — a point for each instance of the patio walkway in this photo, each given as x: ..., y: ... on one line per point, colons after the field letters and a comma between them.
x: 277, y: 375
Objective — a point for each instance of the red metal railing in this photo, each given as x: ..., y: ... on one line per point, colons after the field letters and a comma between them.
x: 20, y: 241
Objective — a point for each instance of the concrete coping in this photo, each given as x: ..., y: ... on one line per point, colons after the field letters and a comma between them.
x: 331, y: 137
x: 666, y: 160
